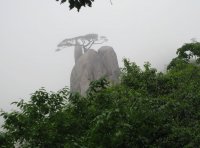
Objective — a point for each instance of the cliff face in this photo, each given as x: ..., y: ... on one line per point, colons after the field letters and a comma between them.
x: 93, y: 65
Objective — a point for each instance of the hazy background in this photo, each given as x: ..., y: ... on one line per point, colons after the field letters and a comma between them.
x: 141, y: 30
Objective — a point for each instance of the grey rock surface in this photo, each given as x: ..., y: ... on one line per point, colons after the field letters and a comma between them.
x: 93, y: 65
x: 110, y: 63
x: 77, y: 53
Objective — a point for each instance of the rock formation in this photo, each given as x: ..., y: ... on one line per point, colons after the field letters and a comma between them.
x: 77, y: 52
x: 110, y: 63
x: 93, y: 65
x: 90, y: 65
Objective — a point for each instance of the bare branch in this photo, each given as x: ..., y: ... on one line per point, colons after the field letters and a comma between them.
x: 100, y: 42
x: 89, y: 41
x: 91, y: 44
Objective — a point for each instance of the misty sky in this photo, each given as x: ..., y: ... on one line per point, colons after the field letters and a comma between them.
x: 141, y: 30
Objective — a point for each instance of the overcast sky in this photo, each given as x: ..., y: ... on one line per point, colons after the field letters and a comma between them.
x: 141, y: 30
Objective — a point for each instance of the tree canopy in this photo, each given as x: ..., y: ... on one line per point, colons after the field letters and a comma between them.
x: 147, y: 109
x: 188, y: 53
x: 85, y: 41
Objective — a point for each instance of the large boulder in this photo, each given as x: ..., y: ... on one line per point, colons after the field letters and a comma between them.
x: 110, y: 63
x: 92, y: 66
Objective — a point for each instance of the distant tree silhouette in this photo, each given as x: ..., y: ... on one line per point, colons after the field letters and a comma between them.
x: 81, y: 43
x: 85, y: 41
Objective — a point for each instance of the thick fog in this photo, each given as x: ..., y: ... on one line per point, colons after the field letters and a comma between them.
x: 141, y: 30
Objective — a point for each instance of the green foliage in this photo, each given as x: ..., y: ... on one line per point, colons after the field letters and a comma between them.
x: 147, y: 109
x: 77, y: 3
x: 189, y: 51
x: 178, y: 89
x: 38, y: 123
x: 5, y: 141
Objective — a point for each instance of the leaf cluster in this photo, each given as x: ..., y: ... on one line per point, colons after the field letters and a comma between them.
x: 77, y: 3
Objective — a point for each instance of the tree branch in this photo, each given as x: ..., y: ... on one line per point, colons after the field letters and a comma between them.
x: 91, y: 44
x: 100, y: 42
